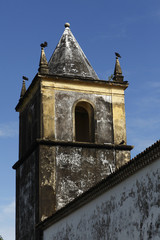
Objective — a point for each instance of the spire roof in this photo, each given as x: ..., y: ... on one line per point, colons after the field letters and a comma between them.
x: 68, y: 58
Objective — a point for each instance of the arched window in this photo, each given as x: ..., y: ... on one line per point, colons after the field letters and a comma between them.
x: 84, y: 122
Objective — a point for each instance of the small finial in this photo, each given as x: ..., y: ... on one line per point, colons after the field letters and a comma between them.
x: 23, y: 90
x: 117, y: 70
x: 67, y: 25
x: 43, y: 64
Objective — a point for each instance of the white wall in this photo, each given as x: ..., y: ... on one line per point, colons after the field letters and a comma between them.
x: 130, y: 210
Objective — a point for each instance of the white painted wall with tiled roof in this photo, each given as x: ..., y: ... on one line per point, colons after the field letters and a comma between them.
x: 130, y: 210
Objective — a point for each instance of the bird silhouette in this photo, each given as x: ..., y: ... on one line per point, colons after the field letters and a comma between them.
x: 122, y: 142
x: 43, y: 45
x: 117, y: 55
x: 25, y: 78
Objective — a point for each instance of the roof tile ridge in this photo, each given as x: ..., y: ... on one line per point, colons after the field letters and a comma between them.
x: 149, y: 150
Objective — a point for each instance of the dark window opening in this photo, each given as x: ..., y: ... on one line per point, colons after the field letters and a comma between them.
x: 84, y: 122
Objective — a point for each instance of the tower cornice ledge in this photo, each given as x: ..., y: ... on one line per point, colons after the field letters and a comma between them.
x: 70, y: 79
x: 84, y: 144
x: 83, y: 79
x: 70, y: 144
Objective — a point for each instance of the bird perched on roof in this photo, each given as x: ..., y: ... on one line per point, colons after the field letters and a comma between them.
x: 117, y: 55
x: 43, y: 45
x: 25, y: 78
x: 122, y: 142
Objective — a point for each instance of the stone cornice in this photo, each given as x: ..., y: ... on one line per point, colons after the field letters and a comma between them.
x: 38, y: 77
x: 69, y: 144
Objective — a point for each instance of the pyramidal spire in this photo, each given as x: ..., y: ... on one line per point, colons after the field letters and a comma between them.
x: 43, y: 64
x: 68, y: 58
x: 117, y: 70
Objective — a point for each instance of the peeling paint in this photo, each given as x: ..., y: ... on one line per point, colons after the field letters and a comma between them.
x: 64, y: 102
x: 77, y: 169
x: 25, y: 196
x: 48, y: 177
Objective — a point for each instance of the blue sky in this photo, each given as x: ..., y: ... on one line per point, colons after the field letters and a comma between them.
x: 101, y: 28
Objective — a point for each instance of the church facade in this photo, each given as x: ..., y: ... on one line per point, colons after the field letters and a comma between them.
x: 72, y: 136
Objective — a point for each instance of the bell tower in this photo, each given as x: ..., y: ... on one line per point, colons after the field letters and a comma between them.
x: 72, y: 133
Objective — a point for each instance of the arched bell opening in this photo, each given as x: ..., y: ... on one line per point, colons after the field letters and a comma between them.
x: 84, y: 122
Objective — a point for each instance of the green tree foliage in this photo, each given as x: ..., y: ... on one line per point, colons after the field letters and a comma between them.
x: 1, y: 237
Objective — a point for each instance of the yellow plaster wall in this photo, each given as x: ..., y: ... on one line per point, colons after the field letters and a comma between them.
x: 122, y: 157
x: 49, y: 85
x: 119, y: 121
x: 101, y: 88
x: 118, y: 105
x: 28, y: 98
x: 47, y: 110
x: 78, y: 86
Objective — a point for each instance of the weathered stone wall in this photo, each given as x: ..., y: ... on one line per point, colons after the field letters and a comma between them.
x: 26, y: 202
x: 66, y: 172
x: 130, y: 210
x: 47, y: 181
x: 53, y: 176
x: 29, y: 129
x: 64, y: 115
x: 122, y: 157
x: 78, y: 169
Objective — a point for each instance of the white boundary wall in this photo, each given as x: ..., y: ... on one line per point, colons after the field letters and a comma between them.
x: 130, y: 210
